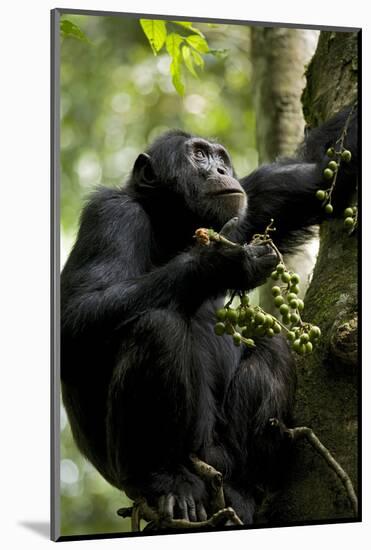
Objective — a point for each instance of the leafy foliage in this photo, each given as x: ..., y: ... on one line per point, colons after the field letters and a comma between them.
x: 183, y: 50
x: 198, y: 43
x: 189, y: 60
x: 173, y: 43
x: 69, y: 29
x: 155, y: 31
x: 189, y: 26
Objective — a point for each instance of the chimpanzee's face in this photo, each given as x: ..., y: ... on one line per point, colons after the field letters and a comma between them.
x: 198, y: 171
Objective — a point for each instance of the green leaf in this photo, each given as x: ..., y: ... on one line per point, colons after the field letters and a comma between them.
x: 188, y: 25
x: 69, y: 29
x: 155, y: 31
x: 173, y: 42
x: 198, y: 43
x: 188, y: 60
x: 198, y: 59
x: 220, y: 54
x: 177, y: 76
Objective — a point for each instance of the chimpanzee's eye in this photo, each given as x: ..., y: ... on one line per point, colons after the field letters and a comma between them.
x: 200, y: 154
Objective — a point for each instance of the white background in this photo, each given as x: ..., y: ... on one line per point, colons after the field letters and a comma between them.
x: 24, y: 271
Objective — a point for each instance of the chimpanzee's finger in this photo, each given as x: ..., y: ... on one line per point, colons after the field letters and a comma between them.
x: 201, y: 512
x: 229, y: 227
x: 182, y: 508
x: 166, y: 506
x: 191, y: 509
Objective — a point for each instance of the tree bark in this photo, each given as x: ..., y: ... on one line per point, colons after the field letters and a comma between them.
x: 327, y: 398
x: 279, y: 59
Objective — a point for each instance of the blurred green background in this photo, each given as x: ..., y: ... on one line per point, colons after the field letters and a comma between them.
x: 116, y: 97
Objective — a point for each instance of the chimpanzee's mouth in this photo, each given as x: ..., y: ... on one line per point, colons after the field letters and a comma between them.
x: 227, y: 192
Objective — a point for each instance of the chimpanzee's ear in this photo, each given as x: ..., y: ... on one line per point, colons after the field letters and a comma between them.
x: 143, y: 172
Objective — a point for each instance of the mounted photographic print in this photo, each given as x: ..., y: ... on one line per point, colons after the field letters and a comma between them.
x: 205, y: 219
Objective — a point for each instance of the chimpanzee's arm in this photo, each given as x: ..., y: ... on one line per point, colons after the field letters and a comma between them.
x: 286, y: 190
x: 109, y: 278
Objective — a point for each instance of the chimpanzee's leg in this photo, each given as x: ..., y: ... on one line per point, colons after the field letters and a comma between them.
x: 155, y: 418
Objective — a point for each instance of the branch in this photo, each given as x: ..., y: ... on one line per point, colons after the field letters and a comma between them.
x: 340, y: 141
x: 303, y: 432
x: 214, y: 479
x: 221, y: 514
x: 141, y: 510
x: 203, y: 236
x: 136, y: 517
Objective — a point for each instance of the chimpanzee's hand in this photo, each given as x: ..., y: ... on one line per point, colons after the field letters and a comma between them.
x: 260, y: 261
x: 240, y: 267
x: 256, y: 264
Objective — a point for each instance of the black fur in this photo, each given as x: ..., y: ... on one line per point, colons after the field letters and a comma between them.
x: 145, y: 380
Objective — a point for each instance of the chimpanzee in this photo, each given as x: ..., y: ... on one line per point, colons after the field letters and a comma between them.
x: 145, y: 380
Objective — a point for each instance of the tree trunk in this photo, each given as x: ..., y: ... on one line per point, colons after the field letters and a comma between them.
x: 327, y: 398
x: 279, y: 60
